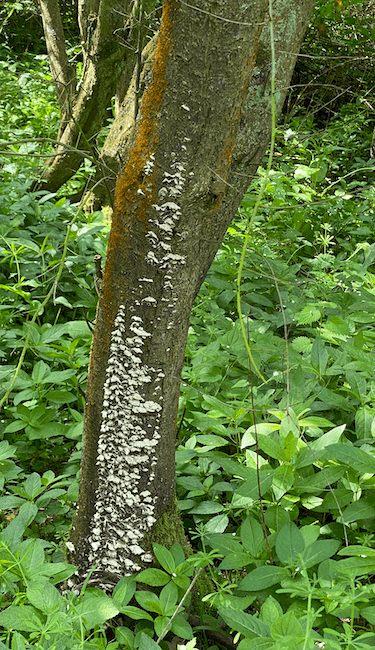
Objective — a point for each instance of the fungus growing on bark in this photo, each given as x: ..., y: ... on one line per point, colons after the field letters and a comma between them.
x: 126, y: 452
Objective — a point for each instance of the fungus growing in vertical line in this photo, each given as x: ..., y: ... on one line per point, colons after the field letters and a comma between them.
x: 126, y: 454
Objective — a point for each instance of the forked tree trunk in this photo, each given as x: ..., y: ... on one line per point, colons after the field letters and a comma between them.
x: 63, y: 73
x: 109, y: 38
x: 203, y: 127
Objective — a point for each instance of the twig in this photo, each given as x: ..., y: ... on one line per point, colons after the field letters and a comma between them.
x: 161, y: 636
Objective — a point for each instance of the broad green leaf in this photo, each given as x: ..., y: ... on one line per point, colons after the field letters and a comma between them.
x: 32, y: 556
x: 263, y: 577
x: 310, y: 533
x: 356, y: 458
x: 289, y: 423
x: 59, y: 376
x: 276, y: 517
x: 286, y: 625
x: 182, y: 581
x: 40, y: 371
x: 10, y: 501
x: 271, y: 447
x: 357, y: 383
x: 319, y: 481
x: 14, y: 531
x: 181, y: 627
x: 125, y: 637
x: 252, y: 536
x: 160, y: 623
x: 368, y: 614
x: 308, y: 315
x: 218, y: 408
x: 58, y: 571
x: 135, y: 613
x: 125, y: 589
x: 319, y: 356
x: 282, y: 480
x: 358, y: 549
x: 217, y: 524
x: 78, y: 329
x: 304, y: 171
x: 43, y: 596
x: 60, y: 397
x: 334, y: 399
x: 32, y: 485
x: 6, y: 450
x: 329, y: 438
x: 263, y: 428
x: 236, y: 561
x: 164, y: 557
x: 96, y: 609
x: 22, y: 618
x: 290, y: 445
x: 153, y: 577
x: 18, y: 642
x: 270, y: 611
x: 247, y: 624
x: 14, y: 426
x: 147, y: 643
x: 364, y: 419
x: 289, y: 544
x: 232, y: 467
x: 54, y: 332
x: 206, y: 508
x: 250, y: 488
x: 168, y: 598
x: 149, y: 601
x: 225, y: 543
x: 178, y: 553
x: 319, y: 551
x: 190, y: 482
x: 361, y: 509
x: 355, y: 566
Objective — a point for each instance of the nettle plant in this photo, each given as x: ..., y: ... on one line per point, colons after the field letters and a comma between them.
x: 278, y: 471
x: 275, y: 475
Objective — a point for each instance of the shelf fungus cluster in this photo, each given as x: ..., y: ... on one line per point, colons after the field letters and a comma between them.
x: 126, y: 458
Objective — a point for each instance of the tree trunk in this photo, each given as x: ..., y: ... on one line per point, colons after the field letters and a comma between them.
x: 109, y: 42
x: 63, y: 73
x: 114, y: 150
x: 203, y: 128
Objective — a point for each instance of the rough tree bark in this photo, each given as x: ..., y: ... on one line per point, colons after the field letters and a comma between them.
x: 203, y: 128
x: 109, y: 38
x: 63, y: 73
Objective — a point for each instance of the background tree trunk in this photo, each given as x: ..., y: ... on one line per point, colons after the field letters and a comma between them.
x: 203, y: 128
x: 63, y: 73
x: 109, y: 39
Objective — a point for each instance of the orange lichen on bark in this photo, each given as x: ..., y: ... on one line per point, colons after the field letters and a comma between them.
x: 129, y: 180
x: 129, y: 203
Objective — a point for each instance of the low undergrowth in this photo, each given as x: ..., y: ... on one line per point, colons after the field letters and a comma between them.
x: 276, y: 459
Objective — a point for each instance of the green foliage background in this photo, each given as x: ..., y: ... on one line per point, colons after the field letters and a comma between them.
x: 275, y: 476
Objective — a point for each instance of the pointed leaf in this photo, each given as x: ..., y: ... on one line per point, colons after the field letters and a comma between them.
x: 319, y: 551
x: 22, y: 618
x: 263, y: 577
x: 289, y: 544
x: 147, y: 643
x: 245, y: 623
x: 44, y: 596
x: 153, y: 577
x: 124, y: 590
x: 252, y: 536
x: 356, y: 458
x: 286, y: 625
x: 164, y: 557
